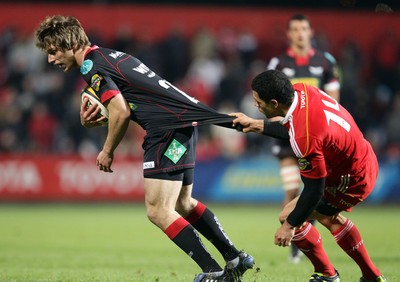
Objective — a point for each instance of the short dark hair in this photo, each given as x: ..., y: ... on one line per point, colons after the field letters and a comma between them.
x: 299, y: 17
x: 273, y: 84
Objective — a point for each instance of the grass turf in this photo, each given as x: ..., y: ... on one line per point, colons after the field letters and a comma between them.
x: 116, y: 242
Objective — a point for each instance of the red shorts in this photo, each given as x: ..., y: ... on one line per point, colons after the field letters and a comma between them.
x: 361, y: 185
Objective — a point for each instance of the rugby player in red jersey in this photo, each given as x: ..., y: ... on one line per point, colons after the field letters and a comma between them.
x: 132, y: 91
x: 301, y: 62
x: 338, y: 168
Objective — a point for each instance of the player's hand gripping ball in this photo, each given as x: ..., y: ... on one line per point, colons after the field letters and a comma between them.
x: 89, y: 93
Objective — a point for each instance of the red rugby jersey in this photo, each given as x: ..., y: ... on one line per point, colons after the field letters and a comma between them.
x: 324, y: 136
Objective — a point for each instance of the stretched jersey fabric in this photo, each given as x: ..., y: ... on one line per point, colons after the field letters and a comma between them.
x: 318, y: 69
x: 328, y: 143
x: 155, y: 103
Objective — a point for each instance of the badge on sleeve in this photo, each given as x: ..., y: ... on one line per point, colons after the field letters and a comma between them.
x: 86, y: 66
x: 304, y: 164
x: 95, y: 81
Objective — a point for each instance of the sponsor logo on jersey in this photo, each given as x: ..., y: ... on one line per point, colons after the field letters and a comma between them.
x: 148, y: 165
x: 317, y: 71
x: 116, y: 54
x: 86, y: 66
x: 302, y: 100
x: 289, y: 72
x: 175, y: 151
x: 143, y: 69
x: 132, y: 106
x: 95, y: 81
x: 304, y: 164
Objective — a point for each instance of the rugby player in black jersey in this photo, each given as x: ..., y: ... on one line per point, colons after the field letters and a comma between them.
x: 301, y: 62
x: 131, y: 91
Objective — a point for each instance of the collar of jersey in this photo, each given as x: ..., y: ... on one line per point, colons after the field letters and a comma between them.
x: 291, y: 109
x: 94, y: 47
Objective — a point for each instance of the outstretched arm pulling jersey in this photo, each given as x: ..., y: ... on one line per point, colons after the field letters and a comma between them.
x: 154, y: 102
x: 269, y: 128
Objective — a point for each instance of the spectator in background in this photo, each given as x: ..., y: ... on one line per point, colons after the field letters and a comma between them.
x: 41, y: 128
x: 392, y: 127
x: 177, y: 47
x: 301, y: 62
x: 386, y: 60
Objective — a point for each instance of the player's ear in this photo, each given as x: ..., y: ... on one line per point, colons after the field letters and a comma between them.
x: 273, y: 103
x: 76, y: 48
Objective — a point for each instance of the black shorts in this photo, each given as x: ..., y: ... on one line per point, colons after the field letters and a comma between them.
x: 186, y: 176
x: 282, y: 149
x: 169, y: 151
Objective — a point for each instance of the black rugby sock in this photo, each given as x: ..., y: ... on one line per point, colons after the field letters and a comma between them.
x: 185, y: 237
x: 208, y: 225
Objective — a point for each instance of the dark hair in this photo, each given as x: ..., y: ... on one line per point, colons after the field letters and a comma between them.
x: 273, y: 84
x: 299, y: 17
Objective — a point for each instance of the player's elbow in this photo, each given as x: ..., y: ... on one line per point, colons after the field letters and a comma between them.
x: 121, y: 117
x: 125, y: 114
x: 119, y: 113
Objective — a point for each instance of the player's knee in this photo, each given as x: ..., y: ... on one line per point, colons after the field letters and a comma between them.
x: 151, y: 215
x: 332, y: 222
x: 155, y: 215
x: 183, y: 208
x: 185, y: 205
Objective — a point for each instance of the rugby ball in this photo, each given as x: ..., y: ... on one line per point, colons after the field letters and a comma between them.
x: 89, y: 93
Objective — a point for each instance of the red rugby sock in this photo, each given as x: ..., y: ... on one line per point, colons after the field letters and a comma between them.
x: 349, y: 239
x: 309, y: 241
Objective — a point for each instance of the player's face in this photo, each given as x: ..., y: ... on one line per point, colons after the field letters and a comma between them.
x: 63, y: 59
x: 265, y: 108
x: 300, y: 33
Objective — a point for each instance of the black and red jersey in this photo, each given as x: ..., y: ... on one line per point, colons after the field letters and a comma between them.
x: 155, y: 103
x: 318, y: 69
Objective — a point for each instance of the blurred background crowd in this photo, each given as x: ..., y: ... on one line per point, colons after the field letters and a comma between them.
x: 39, y: 105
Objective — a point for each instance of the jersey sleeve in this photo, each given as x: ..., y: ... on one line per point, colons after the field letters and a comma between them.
x: 312, y: 162
x: 101, y: 83
x: 104, y: 86
x: 331, y: 73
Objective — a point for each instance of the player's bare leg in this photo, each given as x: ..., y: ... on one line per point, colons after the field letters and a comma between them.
x: 204, y: 220
x: 160, y: 198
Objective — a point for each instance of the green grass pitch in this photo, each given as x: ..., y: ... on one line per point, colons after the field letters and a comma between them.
x: 116, y: 242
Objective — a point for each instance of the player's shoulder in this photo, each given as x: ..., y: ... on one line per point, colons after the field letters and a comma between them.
x: 325, y: 55
x: 278, y: 61
x: 300, y: 87
x: 328, y: 56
